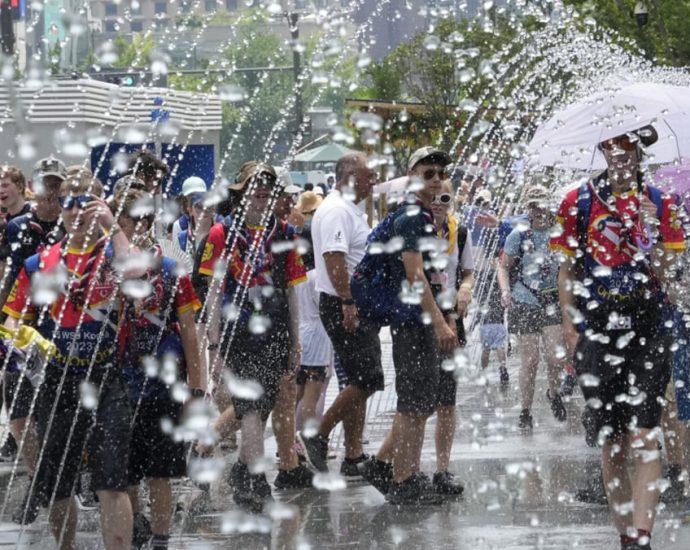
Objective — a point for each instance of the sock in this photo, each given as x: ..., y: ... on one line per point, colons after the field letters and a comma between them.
x: 159, y: 542
x: 674, y: 471
x: 644, y: 536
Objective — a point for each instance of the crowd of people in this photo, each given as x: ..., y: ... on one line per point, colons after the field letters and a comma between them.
x: 253, y: 302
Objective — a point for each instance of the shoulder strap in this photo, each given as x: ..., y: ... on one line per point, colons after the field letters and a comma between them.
x: 657, y: 197
x: 462, y: 242
x: 584, y: 207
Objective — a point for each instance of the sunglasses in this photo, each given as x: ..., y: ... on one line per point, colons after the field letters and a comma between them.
x: 443, y: 198
x: 431, y: 172
x: 81, y: 201
x: 622, y: 142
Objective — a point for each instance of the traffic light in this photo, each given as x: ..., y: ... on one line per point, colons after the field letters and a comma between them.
x: 128, y: 80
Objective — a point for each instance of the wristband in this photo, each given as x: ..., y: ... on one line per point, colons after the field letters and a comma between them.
x: 197, y: 393
x: 348, y: 301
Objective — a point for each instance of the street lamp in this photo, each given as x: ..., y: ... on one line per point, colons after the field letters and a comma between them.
x: 641, y: 14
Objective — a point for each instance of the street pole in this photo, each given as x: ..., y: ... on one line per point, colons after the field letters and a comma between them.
x: 293, y: 19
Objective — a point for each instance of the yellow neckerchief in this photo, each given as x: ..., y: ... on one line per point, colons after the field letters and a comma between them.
x: 449, y: 232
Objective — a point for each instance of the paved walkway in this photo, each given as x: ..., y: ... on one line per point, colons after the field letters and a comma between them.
x: 519, y: 492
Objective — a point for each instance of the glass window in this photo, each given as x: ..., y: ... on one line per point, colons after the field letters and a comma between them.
x: 231, y: 5
x: 160, y: 8
x: 210, y: 6
x: 137, y: 26
x: 110, y: 26
x: 111, y: 9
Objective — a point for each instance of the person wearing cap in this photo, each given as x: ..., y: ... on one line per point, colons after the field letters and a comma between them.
x: 417, y: 347
x: 528, y: 279
x: 150, y: 169
x: 261, y: 341
x: 81, y: 320
x: 339, y: 232
x: 192, y: 186
x: 619, y: 241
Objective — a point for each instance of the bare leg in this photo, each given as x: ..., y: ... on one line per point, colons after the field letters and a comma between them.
x: 283, y: 422
x: 23, y: 427
x: 312, y: 393
x: 252, y: 441
x: 116, y: 519
x: 486, y: 354
x: 676, y: 437
x: 445, y: 432
x: 529, y: 363
x: 350, y: 408
x: 161, y: 505
x: 133, y: 493
x: 501, y: 354
x: 387, y: 448
x: 408, y: 435
x: 617, y: 481
x: 553, y: 339
x: 66, y: 508
x: 646, y: 471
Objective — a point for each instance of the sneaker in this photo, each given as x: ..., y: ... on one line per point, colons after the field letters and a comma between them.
x: 557, y: 407
x: 505, y: 379
x: 27, y: 513
x: 568, y: 385
x: 378, y: 473
x: 590, y: 425
x: 141, y: 530
x: 414, y: 491
x: 261, y: 493
x: 241, y: 483
x: 352, y: 467
x: 8, y: 451
x: 525, y: 420
x: 445, y: 484
x: 316, y: 449
x: 86, y: 496
x: 635, y: 546
x: 297, y: 478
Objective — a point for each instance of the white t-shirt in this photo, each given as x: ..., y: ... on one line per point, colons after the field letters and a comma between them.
x: 339, y: 225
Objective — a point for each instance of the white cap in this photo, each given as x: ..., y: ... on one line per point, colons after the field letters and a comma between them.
x: 292, y: 189
x: 193, y: 184
x: 318, y: 190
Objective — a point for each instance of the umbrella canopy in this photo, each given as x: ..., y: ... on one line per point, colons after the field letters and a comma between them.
x: 331, y: 152
x: 569, y: 138
x: 675, y: 179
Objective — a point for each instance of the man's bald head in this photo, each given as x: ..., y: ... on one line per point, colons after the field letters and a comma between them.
x: 352, y: 170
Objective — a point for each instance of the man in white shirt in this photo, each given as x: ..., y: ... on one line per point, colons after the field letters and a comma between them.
x: 339, y: 232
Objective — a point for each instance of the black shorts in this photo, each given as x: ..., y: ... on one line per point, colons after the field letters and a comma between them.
x: 310, y: 374
x: 530, y: 319
x: 104, y: 444
x: 265, y: 364
x: 18, y: 394
x: 359, y: 351
x: 417, y: 363
x: 155, y: 454
x: 604, y: 385
x: 447, y: 389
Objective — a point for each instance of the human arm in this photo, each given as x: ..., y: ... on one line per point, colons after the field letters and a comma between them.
x: 190, y: 345
x: 295, y: 357
x: 336, y: 267
x: 414, y: 273
x: 504, y: 265
x: 566, y: 277
x: 667, y: 237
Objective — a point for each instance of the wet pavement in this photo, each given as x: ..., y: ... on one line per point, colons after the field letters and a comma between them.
x: 519, y: 492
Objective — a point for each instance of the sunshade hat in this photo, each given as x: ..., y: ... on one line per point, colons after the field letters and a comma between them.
x: 253, y: 170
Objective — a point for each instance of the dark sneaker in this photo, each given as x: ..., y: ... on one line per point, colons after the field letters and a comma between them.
x: 568, y: 385
x: 445, y: 484
x: 241, y: 483
x: 590, y: 424
x: 352, y: 467
x: 525, y: 420
x: 316, y: 449
x: 141, y: 531
x: 505, y: 379
x: 297, y: 478
x: 557, y: 407
x: 261, y: 493
x: 8, y: 451
x: 378, y: 473
x: 635, y: 546
x: 414, y: 491
x: 28, y: 511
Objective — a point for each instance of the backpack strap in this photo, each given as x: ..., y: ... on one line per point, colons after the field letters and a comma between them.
x: 284, y: 232
x: 462, y: 242
x: 584, y: 207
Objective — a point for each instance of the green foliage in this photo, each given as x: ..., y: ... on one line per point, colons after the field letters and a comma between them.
x: 54, y: 57
x: 663, y: 38
x: 134, y: 54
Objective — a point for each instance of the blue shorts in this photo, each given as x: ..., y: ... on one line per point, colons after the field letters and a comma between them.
x: 493, y: 336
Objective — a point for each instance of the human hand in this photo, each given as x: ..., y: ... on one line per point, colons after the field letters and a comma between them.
x: 506, y: 299
x: 350, y: 317
x: 100, y: 211
x: 486, y: 220
x: 648, y: 211
x: 463, y: 299
x: 446, y: 336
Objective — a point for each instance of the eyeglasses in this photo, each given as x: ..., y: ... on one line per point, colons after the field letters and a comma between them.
x: 431, y: 172
x: 622, y: 142
x: 81, y: 201
x: 443, y: 198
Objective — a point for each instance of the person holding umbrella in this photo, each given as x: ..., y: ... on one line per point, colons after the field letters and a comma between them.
x: 619, y: 242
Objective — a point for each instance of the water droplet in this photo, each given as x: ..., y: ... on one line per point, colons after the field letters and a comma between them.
x: 329, y: 481
x: 136, y: 289
x: 88, y: 393
x: 231, y: 93
x: 250, y: 390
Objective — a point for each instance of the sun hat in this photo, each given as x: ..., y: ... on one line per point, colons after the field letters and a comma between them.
x: 308, y: 202
x: 254, y: 169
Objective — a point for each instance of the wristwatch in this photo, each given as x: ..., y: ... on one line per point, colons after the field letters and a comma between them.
x: 348, y: 301
x: 197, y: 393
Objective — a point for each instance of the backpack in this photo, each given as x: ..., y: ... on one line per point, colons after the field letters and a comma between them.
x: 375, y: 286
